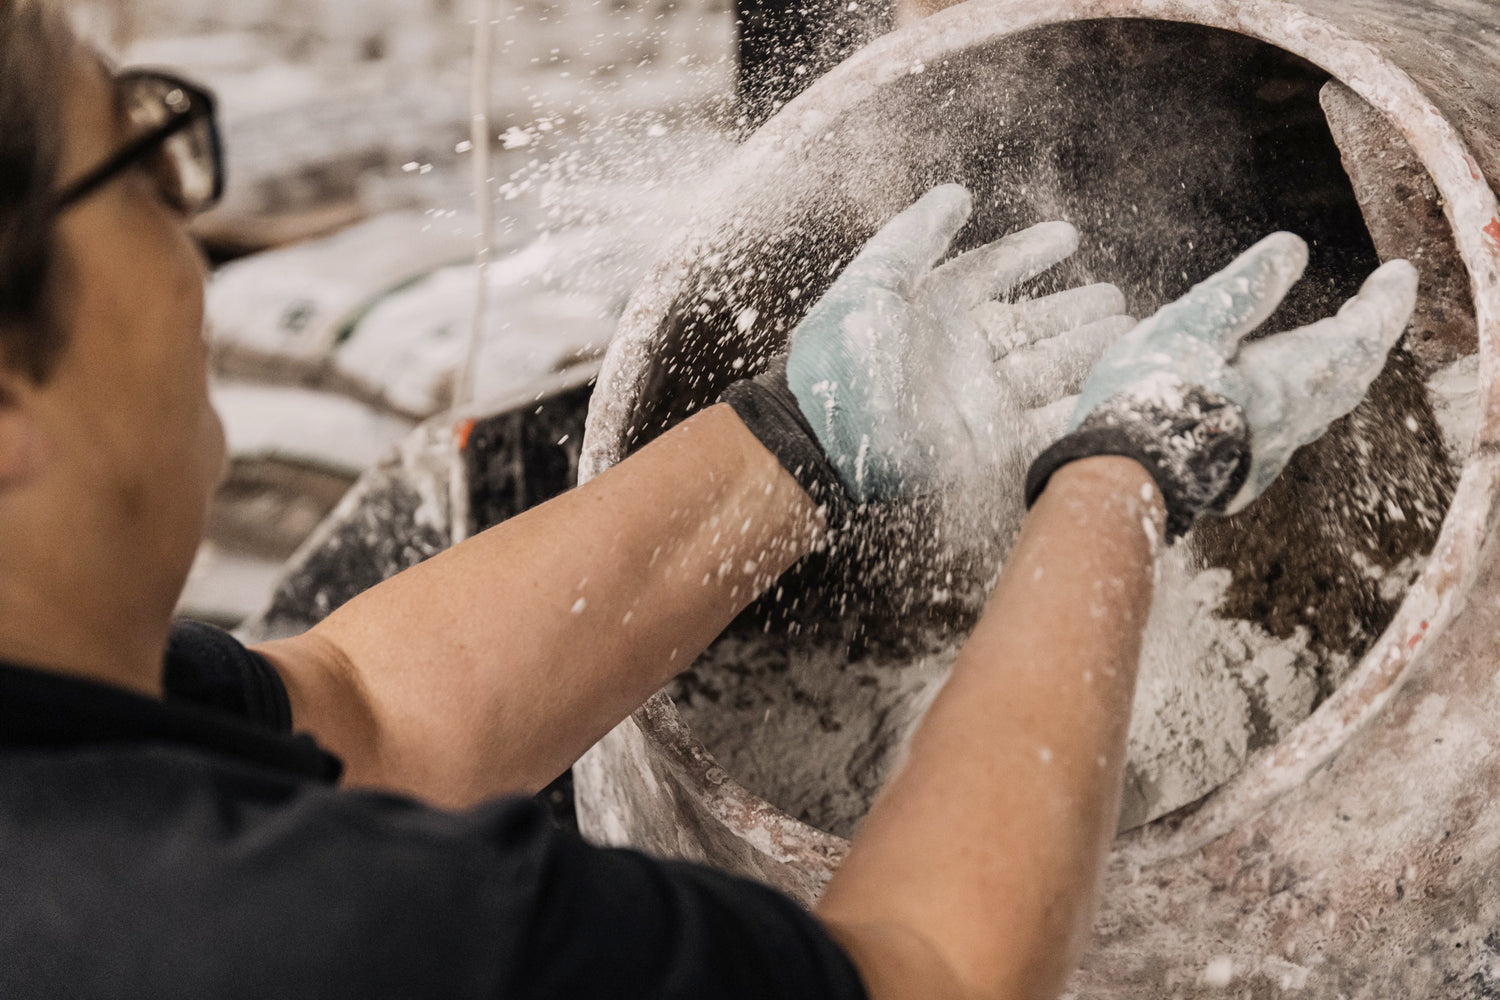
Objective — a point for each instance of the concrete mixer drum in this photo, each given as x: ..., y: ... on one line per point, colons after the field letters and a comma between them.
x: 1335, y: 835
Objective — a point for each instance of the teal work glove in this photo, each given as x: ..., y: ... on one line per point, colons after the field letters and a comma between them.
x: 1213, y: 419
x: 904, y: 378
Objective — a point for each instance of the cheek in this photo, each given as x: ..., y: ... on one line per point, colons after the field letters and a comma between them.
x: 155, y: 255
x: 169, y: 356
x: 170, y: 280
x: 154, y: 310
x: 134, y: 283
x: 166, y: 280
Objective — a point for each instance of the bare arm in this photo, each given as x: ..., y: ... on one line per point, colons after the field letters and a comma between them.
x: 978, y: 869
x: 975, y: 874
x: 490, y: 668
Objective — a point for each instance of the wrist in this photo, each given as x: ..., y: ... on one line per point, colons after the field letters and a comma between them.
x: 1193, y: 442
x: 767, y: 408
x: 737, y: 498
x: 1112, y: 475
x: 1103, y: 489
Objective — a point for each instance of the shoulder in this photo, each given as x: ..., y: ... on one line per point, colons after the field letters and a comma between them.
x: 590, y: 916
x: 207, y: 666
x: 188, y: 876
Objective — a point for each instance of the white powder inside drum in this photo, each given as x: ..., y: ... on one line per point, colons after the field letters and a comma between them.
x: 818, y: 733
x: 806, y: 727
x: 817, y: 730
x: 1211, y: 691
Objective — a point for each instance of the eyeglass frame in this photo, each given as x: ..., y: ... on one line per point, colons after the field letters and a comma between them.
x: 202, y: 106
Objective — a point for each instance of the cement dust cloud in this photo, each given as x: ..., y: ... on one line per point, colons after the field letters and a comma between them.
x: 1171, y: 149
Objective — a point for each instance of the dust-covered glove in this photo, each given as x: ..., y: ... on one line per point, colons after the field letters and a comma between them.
x: 904, y: 378
x: 1215, y: 420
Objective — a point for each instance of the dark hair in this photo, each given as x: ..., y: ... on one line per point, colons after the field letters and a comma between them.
x: 36, y: 46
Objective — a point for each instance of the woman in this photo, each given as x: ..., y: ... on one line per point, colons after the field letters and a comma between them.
x: 163, y: 833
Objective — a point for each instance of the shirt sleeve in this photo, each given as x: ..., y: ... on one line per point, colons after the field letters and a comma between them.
x: 188, y: 875
x: 599, y: 922
x: 388, y: 898
x: 377, y: 895
x: 208, y: 667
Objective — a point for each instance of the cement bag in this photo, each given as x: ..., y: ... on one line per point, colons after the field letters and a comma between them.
x: 552, y: 304
x: 306, y: 427
x: 278, y: 315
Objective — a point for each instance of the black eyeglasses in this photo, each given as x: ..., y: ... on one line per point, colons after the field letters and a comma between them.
x: 179, y: 143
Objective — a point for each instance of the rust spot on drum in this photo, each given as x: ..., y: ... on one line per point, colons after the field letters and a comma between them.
x: 1493, y: 232
x: 461, y: 432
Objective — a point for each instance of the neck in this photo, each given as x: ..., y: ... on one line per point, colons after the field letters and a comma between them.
x: 40, y: 637
x: 77, y: 604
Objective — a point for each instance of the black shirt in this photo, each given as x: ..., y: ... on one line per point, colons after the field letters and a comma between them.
x: 195, y: 848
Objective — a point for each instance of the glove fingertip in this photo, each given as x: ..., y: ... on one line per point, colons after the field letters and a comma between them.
x: 955, y: 198
x: 905, y: 249
x: 1117, y: 304
x: 1059, y: 236
x: 945, y: 209
x: 1286, y: 253
x: 1399, y: 266
x: 1242, y: 499
x: 1402, y: 280
x: 1390, y: 293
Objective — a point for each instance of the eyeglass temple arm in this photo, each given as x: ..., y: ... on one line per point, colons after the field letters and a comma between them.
x: 100, y: 175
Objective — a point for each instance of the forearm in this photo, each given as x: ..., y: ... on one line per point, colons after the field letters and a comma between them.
x: 491, y: 667
x: 982, y: 857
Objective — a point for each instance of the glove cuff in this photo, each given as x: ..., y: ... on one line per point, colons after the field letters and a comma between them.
x: 1193, y: 442
x: 766, y: 405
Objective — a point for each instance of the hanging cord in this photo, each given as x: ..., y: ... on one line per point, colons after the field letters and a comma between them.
x: 484, y: 204
x: 484, y: 201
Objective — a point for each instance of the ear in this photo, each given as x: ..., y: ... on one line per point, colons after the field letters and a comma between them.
x: 18, y: 451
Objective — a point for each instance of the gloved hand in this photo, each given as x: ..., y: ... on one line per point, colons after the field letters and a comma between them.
x: 1213, y: 420
x: 903, y: 378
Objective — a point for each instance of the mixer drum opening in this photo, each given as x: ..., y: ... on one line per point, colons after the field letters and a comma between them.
x: 1172, y: 148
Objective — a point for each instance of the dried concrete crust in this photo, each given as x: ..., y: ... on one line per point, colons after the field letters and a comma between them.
x: 1354, y: 857
x: 1404, y: 214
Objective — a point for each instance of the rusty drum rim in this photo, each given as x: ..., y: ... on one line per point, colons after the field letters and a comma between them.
x: 1472, y: 213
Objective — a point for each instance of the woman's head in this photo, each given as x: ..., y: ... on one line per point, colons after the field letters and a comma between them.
x: 109, y: 448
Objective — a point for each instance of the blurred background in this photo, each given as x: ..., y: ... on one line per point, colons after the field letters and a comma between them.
x: 343, y: 287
